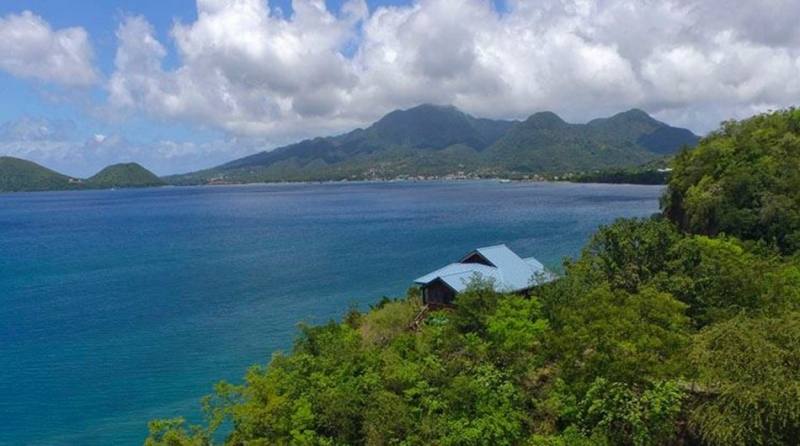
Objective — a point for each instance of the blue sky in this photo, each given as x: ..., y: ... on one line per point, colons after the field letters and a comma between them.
x: 86, y: 83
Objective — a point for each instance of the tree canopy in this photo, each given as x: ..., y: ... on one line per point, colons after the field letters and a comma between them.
x: 742, y: 180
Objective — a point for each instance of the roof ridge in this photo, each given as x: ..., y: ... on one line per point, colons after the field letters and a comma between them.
x: 494, y: 246
x: 462, y: 272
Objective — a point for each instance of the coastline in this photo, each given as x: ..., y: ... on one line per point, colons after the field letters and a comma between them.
x: 499, y: 180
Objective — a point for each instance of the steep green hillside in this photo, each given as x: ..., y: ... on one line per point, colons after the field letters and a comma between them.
x: 124, y: 175
x: 432, y: 140
x: 21, y: 175
x: 742, y: 180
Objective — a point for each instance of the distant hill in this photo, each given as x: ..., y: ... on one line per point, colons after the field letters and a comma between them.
x: 544, y: 143
x: 124, y: 175
x: 425, y: 140
x: 22, y: 175
x: 18, y: 175
x: 430, y: 140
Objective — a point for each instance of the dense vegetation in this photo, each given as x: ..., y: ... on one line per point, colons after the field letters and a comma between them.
x: 17, y: 175
x: 635, y: 175
x: 21, y: 175
x: 433, y: 141
x: 743, y: 180
x: 663, y: 332
x: 124, y: 175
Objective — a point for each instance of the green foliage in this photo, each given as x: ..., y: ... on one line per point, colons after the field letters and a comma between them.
x: 473, y: 307
x: 743, y: 180
x: 175, y: 432
x: 631, y: 175
x: 749, y: 381
x: 628, y: 253
x: 628, y: 415
x: 389, y: 320
x: 20, y: 175
x: 375, y: 381
x: 517, y: 326
x: 124, y: 175
x: 718, y: 278
x: 570, y: 437
x: 622, y: 337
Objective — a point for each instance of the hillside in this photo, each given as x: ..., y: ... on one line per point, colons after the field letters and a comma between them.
x: 661, y: 332
x: 124, y: 175
x: 18, y: 175
x: 544, y: 143
x: 433, y: 140
x: 21, y: 175
x: 742, y: 180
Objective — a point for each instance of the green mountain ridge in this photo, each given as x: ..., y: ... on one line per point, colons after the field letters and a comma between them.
x: 424, y: 141
x: 18, y: 175
x: 431, y: 140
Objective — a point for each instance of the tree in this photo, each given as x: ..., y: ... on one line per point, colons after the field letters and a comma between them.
x: 619, y: 336
x: 628, y: 253
x: 720, y: 277
x: 748, y: 386
x: 632, y: 415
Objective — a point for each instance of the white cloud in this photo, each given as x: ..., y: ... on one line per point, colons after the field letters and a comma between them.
x: 58, y: 144
x: 30, y: 48
x: 251, y: 71
x: 243, y: 70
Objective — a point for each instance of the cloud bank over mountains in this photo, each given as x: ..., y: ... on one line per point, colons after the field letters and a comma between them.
x: 251, y: 71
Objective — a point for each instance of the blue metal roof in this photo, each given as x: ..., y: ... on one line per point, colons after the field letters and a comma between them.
x: 508, y: 271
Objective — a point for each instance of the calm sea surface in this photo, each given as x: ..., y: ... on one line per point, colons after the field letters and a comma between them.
x: 117, y: 307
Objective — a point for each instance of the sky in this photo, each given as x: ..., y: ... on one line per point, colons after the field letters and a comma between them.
x: 180, y: 85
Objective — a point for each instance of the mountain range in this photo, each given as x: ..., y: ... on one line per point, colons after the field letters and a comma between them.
x: 437, y: 141
x: 427, y: 141
x: 21, y: 175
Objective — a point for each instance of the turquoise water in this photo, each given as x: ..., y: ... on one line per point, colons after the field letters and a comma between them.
x: 117, y: 307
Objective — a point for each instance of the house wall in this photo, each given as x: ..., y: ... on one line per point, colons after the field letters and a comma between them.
x: 437, y: 294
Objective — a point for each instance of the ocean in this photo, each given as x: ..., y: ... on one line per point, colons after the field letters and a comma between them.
x: 120, y: 306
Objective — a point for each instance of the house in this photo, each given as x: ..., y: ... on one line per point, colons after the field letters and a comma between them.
x: 508, y: 272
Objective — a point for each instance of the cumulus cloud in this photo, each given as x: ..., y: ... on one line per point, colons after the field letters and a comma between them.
x: 30, y: 48
x: 243, y: 69
x: 249, y: 70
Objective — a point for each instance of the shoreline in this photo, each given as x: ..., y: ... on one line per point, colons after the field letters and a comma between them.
x: 333, y: 182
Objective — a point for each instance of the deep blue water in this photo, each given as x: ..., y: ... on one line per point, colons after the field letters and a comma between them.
x: 117, y: 307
